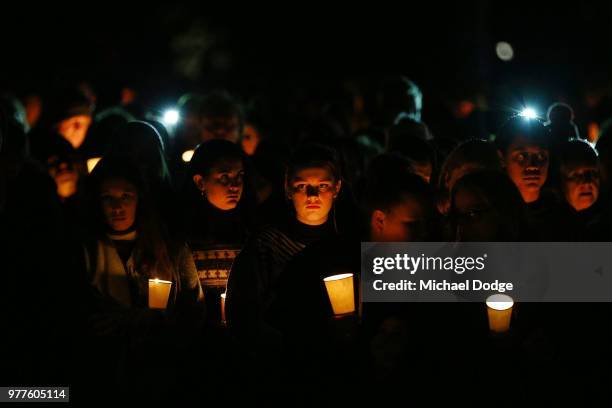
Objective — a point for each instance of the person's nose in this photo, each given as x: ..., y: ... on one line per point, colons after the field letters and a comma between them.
x: 312, y: 191
x: 235, y: 183
x: 588, y: 178
x: 533, y: 166
x: 532, y: 162
x: 116, y: 205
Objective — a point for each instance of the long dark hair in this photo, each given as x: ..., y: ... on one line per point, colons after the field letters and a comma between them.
x: 154, y: 251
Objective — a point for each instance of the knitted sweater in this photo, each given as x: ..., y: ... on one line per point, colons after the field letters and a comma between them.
x: 254, y: 277
x: 123, y: 281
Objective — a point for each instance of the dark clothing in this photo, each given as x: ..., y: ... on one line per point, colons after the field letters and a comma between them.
x: 254, y: 277
x: 216, y: 238
x: 550, y: 220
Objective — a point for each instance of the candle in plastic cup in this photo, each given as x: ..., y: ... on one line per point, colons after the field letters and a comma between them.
x: 159, y: 291
x: 223, y: 307
x: 91, y: 163
x: 499, y: 309
x: 341, y: 293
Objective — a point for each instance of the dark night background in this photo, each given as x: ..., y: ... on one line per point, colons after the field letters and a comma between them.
x: 294, y: 59
x: 561, y: 51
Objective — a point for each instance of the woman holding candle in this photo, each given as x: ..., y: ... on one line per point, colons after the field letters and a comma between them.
x: 219, y: 214
x: 131, y: 244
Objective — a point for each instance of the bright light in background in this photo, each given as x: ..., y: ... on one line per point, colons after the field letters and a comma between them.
x: 171, y: 117
x: 504, y: 51
x: 528, y: 113
x: 187, y: 155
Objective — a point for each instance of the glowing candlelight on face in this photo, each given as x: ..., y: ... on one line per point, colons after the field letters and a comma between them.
x: 159, y: 291
x: 341, y: 293
x: 499, y: 310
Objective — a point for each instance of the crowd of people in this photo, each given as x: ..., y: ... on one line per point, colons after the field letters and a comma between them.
x: 246, y: 224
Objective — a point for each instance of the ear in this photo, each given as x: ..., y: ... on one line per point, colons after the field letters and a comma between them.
x: 377, y: 220
x: 338, y: 187
x: 199, y: 182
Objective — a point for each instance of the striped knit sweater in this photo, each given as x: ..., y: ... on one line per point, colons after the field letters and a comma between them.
x: 254, y: 276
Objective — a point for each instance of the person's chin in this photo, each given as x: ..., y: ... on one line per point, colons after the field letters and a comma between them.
x: 585, y: 201
x: 231, y: 204
x: 532, y: 185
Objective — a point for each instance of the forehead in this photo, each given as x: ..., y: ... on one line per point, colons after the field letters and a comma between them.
x: 468, y: 196
x: 221, y: 120
x: 227, y: 164
x: 313, y: 174
x: 522, y: 143
x: 77, y: 118
x: 117, y: 184
x: 576, y: 167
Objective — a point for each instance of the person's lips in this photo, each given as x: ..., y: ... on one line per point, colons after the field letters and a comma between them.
x: 313, y: 206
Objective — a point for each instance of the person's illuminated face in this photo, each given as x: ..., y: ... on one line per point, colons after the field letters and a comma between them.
x: 527, y: 167
x: 64, y: 175
x: 119, y: 199
x: 74, y: 129
x: 250, y: 139
x: 33, y: 108
x: 224, y: 184
x: 581, y: 186
x: 227, y: 128
x: 313, y: 191
x: 404, y: 222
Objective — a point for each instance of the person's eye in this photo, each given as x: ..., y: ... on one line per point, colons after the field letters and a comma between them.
x: 300, y: 187
x: 520, y: 157
x: 542, y: 157
x: 224, y: 179
x: 324, y: 187
x: 126, y: 197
